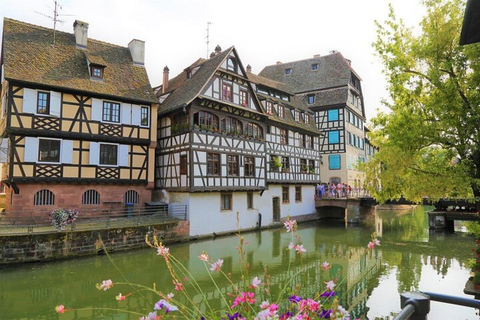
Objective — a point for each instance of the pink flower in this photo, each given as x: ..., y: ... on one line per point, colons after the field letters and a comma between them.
x: 290, y: 225
x: 291, y: 245
x: 170, y: 296
x: 248, y: 297
x: 256, y: 282
x: 60, y: 309
x: 120, y: 297
x: 300, y: 249
x: 326, y: 265
x: 371, y: 245
x: 163, y: 251
x: 216, y: 265
x: 376, y: 241
x: 203, y: 257
x: 265, y: 305
x: 105, y: 285
x: 178, y: 285
x: 330, y: 284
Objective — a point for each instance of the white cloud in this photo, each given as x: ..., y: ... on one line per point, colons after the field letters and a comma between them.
x: 263, y: 32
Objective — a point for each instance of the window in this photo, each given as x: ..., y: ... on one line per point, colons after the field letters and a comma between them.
x: 283, y: 136
x: 298, y: 194
x: 307, y: 118
x: 244, y: 98
x: 285, y: 163
x: 285, y: 197
x: 311, y: 166
x: 183, y: 164
x: 44, y: 198
x: 281, y: 111
x: 91, y: 197
x: 249, y: 200
x: 226, y: 201
x: 333, y: 137
x: 205, y: 120
x: 48, y: 150
x: 288, y: 71
x: 232, y: 126
x: 315, y: 66
x: 296, y: 114
x: 232, y: 165
x: 144, y: 116
x: 111, y: 111
x: 308, y: 142
x: 303, y: 166
x: 213, y: 163
x: 131, y: 196
x: 43, y: 102
x: 227, y: 91
x: 96, y: 71
x: 231, y: 64
x: 108, y: 154
x: 269, y: 107
x: 310, y: 98
x: 249, y: 166
x: 254, y: 130
x: 334, y: 162
x: 333, y: 115
x: 302, y: 140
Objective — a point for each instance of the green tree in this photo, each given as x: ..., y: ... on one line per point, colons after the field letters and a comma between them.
x: 429, y: 140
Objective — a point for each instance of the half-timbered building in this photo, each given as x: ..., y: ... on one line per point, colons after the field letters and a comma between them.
x: 212, y: 153
x: 76, y: 121
x: 329, y: 86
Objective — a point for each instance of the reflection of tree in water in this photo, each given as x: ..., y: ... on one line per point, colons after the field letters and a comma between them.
x: 409, y: 272
x: 440, y: 264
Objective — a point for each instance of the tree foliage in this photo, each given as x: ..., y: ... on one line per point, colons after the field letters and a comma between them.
x: 429, y: 140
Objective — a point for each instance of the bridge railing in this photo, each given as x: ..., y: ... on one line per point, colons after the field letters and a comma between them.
x: 416, y: 305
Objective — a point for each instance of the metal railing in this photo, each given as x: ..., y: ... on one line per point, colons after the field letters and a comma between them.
x: 18, y: 224
x: 416, y: 305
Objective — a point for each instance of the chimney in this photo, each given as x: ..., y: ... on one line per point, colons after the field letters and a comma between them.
x: 349, y: 62
x: 218, y: 49
x: 316, y: 55
x: 279, y: 63
x: 80, y: 30
x: 165, y: 79
x: 249, y: 68
x: 137, y: 50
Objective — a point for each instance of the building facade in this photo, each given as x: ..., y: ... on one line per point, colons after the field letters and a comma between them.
x: 330, y: 88
x: 221, y: 152
x: 78, y: 122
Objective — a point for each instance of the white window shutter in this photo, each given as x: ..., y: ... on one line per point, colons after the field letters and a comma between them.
x: 123, y: 155
x: 67, y: 151
x: 136, y: 114
x: 126, y: 113
x: 97, y: 108
x: 29, y: 100
x: 4, y: 150
x: 31, y: 149
x: 55, y: 103
x: 94, y: 157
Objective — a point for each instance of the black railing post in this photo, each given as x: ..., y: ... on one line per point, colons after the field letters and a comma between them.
x: 420, y: 303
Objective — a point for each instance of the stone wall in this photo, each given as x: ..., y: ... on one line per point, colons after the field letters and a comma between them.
x: 61, y: 245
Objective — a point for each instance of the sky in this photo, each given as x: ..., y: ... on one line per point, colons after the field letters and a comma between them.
x: 262, y: 31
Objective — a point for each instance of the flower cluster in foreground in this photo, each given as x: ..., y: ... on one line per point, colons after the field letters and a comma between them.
x: 250, y: 301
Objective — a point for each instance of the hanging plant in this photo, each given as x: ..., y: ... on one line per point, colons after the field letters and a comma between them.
x: 277, y: 162
x: 59, y: 218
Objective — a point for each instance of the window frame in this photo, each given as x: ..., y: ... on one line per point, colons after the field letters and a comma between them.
x: 144, y: 116
x: 232, y: 165
x: 333, y: 137
x: 332, y: 162
x: 281, y: 111
x: 243, y: 98
x: 111, y: 153
x: 214, y: 164
x: 254, y: 130
x: 231, y: 64
x: 90, y: 197
x: 226, y: 201
x: 298, y: 193
x: 50, y: 149
x: 45, y: 108
x: 93, y: 69
x: 284, y: 136
x: 250, y: 199
x: 183, y: 164
x: 227, y: 91
x: 113, y: 114
x: 285, y: 194
x: 269, y: 107
x: 44, y: 197
x: 314, y: 66
x: 249, y: 166
x: 311, y: 99
x: 332, y: 116
x: 288, y: 71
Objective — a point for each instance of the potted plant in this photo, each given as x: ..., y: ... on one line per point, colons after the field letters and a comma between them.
x: 276, y: 163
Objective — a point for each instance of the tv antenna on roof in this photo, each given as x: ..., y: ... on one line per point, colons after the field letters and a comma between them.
x: 55, y: 16
x: 208, y: 36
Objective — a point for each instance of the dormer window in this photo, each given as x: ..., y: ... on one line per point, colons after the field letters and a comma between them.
x: 314, y: 66
x: 288, y: 71
x: 281, y: 111
x: 269, y: 107
x: 96, y: 71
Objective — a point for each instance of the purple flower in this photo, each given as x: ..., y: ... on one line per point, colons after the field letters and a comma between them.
x: 286, y: 315
x: 328, y: 294
x: 294, y: 299
x: 234, y: 316
x: 325, y: 314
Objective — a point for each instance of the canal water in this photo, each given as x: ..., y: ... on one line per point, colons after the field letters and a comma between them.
x: 368, y: 283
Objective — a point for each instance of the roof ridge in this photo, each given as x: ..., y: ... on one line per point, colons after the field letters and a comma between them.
x: 64, y: 32
x: 306, y: 59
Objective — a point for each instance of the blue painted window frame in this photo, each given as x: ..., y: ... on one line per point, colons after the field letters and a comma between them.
x: 333, y: 115
x: 334, y: 162
x: 333, y: 137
